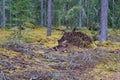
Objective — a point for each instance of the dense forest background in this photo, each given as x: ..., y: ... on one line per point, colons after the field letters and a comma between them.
x: 59, y: 39
x: 72, y: 13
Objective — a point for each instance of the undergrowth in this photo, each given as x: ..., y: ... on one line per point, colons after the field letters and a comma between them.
x: 108, y: 66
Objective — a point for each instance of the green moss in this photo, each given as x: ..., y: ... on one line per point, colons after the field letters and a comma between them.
x: 29, y: 25
x: 107, y: 67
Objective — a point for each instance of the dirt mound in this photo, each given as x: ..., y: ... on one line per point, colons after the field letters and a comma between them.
x: 78, y: 39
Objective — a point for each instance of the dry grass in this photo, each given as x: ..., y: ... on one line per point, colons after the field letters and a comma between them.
x: 100, y: 63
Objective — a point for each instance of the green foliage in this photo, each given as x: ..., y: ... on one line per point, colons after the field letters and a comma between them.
x: 29, y: 25
x: 19, y: 12
x: 114, y: 14
x: 16, y: 34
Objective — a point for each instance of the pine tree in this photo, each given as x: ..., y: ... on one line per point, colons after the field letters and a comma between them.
x: 49, y: 18
x: 3, y: 22
x: 104, y: 20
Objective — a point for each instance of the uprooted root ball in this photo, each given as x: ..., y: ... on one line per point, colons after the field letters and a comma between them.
x: 78, y: 39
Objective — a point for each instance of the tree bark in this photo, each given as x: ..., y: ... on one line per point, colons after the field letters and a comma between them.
x: 104, y: 20
x: 10, y: 14
x: 49, y: 20
x: 3, y: 22
x: 88, y: 12
x: 80, y: 14
x: 67, y: 8
x: 41, y: 22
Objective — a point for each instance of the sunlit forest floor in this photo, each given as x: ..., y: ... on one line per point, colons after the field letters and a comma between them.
x: 30, y: 56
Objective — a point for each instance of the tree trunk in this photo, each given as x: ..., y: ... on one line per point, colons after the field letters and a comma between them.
x: 113, y: 13
x: 67, y: 8
x: 41, y: 22
x: 104, y: 20
x: 3, y: 22
x: 80, y: 14
x: 10, y: 14
x: 45, y: 12
x: 49, y: 18
x: 88, y: 12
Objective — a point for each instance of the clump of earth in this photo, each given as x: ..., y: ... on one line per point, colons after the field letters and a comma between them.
x: 74, y: 39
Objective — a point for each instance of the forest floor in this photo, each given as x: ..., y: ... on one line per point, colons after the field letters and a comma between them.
x: 33, y: 58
